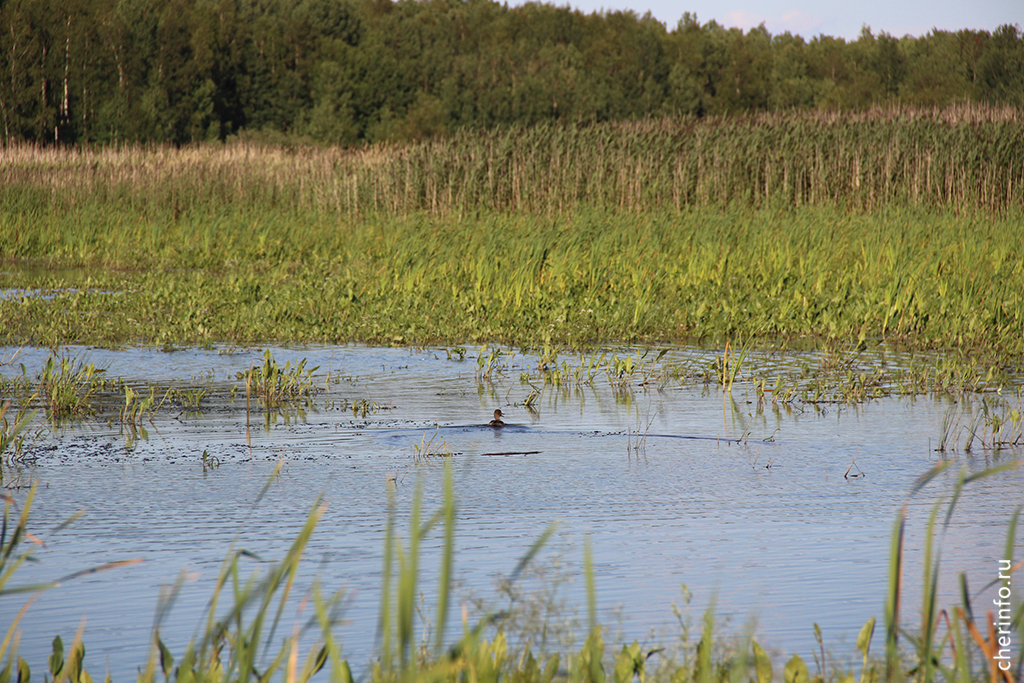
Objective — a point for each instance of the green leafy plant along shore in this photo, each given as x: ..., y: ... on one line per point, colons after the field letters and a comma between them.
x: 908, y: 230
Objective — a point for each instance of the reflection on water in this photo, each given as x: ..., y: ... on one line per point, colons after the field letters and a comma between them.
x: 674, y: 485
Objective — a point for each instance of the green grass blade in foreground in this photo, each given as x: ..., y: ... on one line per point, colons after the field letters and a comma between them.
x: 705, y: 668
x: 927, y: 477
x: 240, y: 629
x: 991, y: 471
x: 285, y: 573
x: 588, y: 572
x: 927, y: 650
x: 407, y: 576
x: 762, y: 664
x: 269, y: 482
x: 340, y: 670
x: 531, y: 553
x: 10, y: 431
x: 11, y: 558
x: 892, y: 602
x: 447, y: 557
x: 158, y: 650
x: 864, y: 645
x: 962, y: 661
x: 929, y: 599
x: 11, y: 538
x: 385, y: 626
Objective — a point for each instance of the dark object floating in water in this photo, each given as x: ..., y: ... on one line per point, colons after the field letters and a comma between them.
x: 496, y: 422
x: 513, y: 453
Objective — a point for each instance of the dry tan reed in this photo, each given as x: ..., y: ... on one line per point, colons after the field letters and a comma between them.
x: 963, y: 156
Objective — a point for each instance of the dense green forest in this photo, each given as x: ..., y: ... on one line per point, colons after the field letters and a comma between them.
x: 344, y: 71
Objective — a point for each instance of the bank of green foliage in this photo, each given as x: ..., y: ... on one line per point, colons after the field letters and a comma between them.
x: 344, y: 71
x: 930, y: 280
x: 244, y: 637
x: 904, y: 226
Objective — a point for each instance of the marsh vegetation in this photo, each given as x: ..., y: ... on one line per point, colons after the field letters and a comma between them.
x: 555, y: 263
x: 722, y: 230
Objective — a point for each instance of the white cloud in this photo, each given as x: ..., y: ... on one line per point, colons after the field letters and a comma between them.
x: 741, y: 18
x: 794, y: 21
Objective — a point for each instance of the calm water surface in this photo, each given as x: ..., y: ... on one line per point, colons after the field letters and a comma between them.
x: 748, y: 508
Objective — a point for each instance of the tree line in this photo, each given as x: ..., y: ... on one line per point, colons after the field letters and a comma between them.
x: 346, y: 71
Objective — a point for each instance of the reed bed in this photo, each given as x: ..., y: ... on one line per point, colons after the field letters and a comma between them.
x: 962, y: 157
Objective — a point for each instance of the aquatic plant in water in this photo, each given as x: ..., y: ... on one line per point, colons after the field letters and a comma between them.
x: 275, y: 385
x: 431, y: 448
x: 67, y: 385
x: 12, y: 428
x: 988, y: 423
x: 138, y: 406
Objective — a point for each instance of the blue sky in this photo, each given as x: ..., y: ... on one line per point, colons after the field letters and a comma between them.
x: 808, y: 18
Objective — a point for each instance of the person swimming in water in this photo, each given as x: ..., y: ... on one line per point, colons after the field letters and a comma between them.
x: 496, y: 422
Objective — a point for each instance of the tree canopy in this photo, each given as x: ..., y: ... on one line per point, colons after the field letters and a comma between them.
x: 346, y: 71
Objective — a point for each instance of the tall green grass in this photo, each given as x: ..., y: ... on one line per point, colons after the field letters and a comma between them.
x: 239, y: 640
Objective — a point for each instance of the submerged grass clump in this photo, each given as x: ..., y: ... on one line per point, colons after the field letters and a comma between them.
x: 68, y: 385
x: 138, y: 406
x: 13, y: 424
x: 275, y: 385
x: 989, y: 423
x: 985, y: 414
x: 432, y: 447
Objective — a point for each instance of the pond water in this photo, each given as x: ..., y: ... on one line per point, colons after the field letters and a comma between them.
x: 746, y: 506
